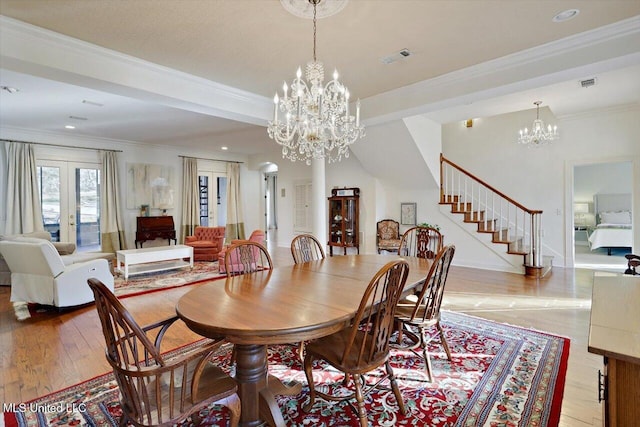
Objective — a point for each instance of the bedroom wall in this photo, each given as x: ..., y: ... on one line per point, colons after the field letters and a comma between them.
x: 601, y: 178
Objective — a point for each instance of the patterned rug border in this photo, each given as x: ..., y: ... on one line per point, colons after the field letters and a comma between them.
x: 541, y: 408
x: 560, y: 367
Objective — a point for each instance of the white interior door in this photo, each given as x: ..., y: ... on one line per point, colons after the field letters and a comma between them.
x: 70, y: 198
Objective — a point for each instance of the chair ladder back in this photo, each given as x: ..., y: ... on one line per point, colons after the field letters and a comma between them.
x: 376, y: 312
x: 422, y: 242
x: 305, y: 248
x: 246, y: 257
x: 430, y: 298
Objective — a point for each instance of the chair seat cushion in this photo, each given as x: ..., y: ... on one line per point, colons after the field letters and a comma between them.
x: 203, y: 244
x: 391, y: 243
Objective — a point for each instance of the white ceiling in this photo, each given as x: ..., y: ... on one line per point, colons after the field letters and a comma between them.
x: 253, y: 45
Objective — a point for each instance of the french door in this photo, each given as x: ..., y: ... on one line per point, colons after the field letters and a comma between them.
x: 70, y: 199
x: 213, y: 198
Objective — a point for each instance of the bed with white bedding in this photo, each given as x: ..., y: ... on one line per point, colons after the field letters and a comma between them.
x: 613, y: 229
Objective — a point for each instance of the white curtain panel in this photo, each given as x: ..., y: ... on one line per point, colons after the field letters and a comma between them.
x: 235, y: 217
x: 190, y: 197
x: 111, y: 229
x: 24, y: 213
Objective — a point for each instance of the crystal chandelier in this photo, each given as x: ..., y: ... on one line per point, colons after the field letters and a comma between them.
x: 313, y: 121
x: 538, y: 135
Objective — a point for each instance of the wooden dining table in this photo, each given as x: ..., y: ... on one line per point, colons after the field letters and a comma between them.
x: 284, y: 305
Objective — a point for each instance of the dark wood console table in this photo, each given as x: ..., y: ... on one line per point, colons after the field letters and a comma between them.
x: 155, y: 227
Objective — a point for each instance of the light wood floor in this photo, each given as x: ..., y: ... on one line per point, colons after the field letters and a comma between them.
x: 45, y: 354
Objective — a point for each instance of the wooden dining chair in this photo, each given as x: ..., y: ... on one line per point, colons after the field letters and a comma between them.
x: 246, y: 257
x: 364, y: 345
x: 422, y: 311
x: 159, y: 390
x: 305, y: 248
x: 422, y: 242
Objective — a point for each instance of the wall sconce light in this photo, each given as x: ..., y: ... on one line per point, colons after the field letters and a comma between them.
x: 469, y: 123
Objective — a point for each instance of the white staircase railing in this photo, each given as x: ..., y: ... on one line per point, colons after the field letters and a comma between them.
x: 493, y: 211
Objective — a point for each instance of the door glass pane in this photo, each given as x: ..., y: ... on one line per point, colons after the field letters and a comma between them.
x: 49, y: 186
x: 87, y: 209
x: 222, y: 200
x: 203, y: 185
x: 350, y: 221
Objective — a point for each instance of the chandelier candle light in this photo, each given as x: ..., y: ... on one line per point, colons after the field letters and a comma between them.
x: 538, y: 136
x: 312, y: 121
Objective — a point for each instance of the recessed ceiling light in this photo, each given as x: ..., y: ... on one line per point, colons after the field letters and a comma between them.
x: 10, y: 89
x: 566, y: 15
x: 95, y: 104
x: 224, y: 148
x: 69, y: 127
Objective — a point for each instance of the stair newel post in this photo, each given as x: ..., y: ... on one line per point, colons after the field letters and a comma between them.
x: 532, y: 250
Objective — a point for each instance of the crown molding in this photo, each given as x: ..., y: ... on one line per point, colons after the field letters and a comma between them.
x: 20, y: 40
x: 615, y: 109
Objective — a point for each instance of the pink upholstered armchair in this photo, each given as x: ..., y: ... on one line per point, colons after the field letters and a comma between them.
x: 206, y: 243
x: 257, y: 236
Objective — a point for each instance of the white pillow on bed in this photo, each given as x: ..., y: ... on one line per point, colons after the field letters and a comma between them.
x: 622, y: 217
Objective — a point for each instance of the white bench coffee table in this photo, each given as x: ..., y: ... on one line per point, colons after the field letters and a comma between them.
x: 147, y: 260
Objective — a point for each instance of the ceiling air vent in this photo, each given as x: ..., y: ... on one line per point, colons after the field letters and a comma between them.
x: 588, y: 82
x: 403, y: 53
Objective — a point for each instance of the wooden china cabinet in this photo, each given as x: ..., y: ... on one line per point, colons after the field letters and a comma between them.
x: 344, y: 218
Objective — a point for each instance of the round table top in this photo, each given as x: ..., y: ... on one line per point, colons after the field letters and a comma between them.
x: 289, y: 303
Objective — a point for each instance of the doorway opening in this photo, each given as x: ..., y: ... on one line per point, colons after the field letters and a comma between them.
x: 599, y: 188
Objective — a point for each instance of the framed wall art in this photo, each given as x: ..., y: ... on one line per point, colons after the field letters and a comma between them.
x: 151, y: 185
x: 408, y: 213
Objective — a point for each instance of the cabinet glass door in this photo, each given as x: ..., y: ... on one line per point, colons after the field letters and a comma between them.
x: 336, y: 221
x: 350, y: 221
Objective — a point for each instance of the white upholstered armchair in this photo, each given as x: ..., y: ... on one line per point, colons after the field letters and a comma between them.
x: 39, y: 275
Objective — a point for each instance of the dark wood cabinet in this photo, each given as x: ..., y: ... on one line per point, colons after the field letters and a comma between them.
x: 344, y: 218
x: 155, y: 227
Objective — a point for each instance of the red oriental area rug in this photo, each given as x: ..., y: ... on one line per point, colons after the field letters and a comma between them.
x: 500, y: 375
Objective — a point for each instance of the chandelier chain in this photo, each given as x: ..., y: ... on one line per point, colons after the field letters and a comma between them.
x: 314, y: 30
